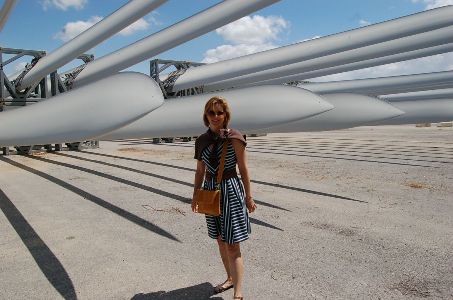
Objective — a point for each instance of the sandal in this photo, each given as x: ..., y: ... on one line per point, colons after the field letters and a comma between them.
x: 240, y: 298
x: 220, y: 288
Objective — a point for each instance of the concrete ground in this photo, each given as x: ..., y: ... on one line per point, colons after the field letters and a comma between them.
x: 364, y: 213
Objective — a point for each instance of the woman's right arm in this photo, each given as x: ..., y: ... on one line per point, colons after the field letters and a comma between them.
x: 199, y: 174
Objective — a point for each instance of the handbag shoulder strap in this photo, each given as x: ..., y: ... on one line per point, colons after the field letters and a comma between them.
x: 222, y: 162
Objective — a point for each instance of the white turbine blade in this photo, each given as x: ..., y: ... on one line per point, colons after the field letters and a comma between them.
x: 99, y: 32
x: 190, y: 28
x: 422, y: 111
x: 5, y: 12
x: 378, y: 53
x: 384, y: 85
x: 252, y: 109
x: 82, y: 113
x: 423, y: 95
x: 362, y: 64
x: 350, y: 110
x: 405, y: 26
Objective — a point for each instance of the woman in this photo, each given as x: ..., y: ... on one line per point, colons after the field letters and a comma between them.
x: 233, y: 225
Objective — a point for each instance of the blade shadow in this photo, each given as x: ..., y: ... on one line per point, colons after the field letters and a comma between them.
x: 254, y: 181
x: 359, y: 149
x: 47, y: 262
x: 128, y: 182
x: 152, y: 174
x: 127, y: 169
x: 277, y: 185
x: 264, y: 224
x: 141, y: 160
x: 347, y: 152
x: 90, y: 197
x: 251, y: 149
x: 343, y: 158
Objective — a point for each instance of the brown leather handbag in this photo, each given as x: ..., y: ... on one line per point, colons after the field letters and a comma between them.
x: 208, y: 202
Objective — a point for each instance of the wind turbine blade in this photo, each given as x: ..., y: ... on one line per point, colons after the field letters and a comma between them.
x: 423, y: 95
x: 82, y: 113
x: 190, y: 28
x: 362, y: 64
x: 384, y: 85
x: 361, y: 37
x: 252, y: 109
x: 378, y: 54
x: 422, y: 111
x: 99, y: 32
x: 8, y: 6
x: 350, y: 110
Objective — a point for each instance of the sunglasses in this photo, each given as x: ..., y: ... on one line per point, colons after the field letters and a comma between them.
x: 212, y: 113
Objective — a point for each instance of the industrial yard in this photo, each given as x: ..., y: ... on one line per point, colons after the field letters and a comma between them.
x: 363, y: 213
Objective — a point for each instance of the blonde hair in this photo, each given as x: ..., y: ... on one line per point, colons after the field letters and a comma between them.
x: 210, y: 106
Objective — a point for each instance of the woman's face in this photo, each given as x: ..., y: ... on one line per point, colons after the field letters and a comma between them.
x: 216, y: 117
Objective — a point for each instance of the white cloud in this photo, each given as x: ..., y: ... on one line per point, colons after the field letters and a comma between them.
x: 253, y: 30
x: 153, y: 18
x: 224, y: 52
x: 63, y: 4
x: 364, y: 23
x: 430, y: 4
x: 138, y: 25
x: 72, y: 29
x: 436, y: 63
x: 247, y: 35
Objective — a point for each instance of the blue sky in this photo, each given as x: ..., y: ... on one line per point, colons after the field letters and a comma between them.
x: 45, y: 24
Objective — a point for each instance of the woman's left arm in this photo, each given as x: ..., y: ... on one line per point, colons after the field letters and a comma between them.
x: 239, y: 149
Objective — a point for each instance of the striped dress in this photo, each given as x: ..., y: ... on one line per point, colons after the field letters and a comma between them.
x: 233, y: 225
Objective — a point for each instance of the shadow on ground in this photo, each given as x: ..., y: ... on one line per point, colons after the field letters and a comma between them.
x: 200, y: 292
x: 96, y: 200
x: 46, y: 260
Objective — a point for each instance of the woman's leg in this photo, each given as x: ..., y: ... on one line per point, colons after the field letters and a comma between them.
x: 224, y: 255
x: 236, y: 267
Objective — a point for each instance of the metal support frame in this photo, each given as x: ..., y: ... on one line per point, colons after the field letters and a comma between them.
x: 5, y: 150
x: 11, y: 96
x: 157, y: 66
x: 2, y: 82
x: 18, y: 98
x: 56, y: 84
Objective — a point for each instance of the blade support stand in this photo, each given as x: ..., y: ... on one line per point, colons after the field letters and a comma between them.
x: 157, y: 66
x: 11, y: 96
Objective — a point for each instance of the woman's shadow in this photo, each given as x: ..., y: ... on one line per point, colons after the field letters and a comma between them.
x: 200, y: 292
